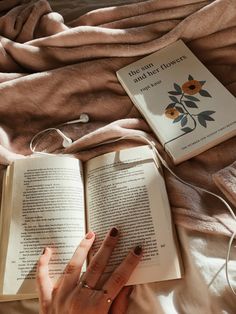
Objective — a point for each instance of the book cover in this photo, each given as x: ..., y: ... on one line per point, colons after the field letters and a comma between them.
x: 187, y: 108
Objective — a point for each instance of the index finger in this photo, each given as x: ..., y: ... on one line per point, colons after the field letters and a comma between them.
x: 44, y: 282
x: 73, y: 269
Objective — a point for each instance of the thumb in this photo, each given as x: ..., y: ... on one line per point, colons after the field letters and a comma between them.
x: 121, y: 303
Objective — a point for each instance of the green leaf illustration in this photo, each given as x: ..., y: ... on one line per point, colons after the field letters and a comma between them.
x: 207, y: 112
x: 172, y: 92
x: 186, y: 130
x: 184, y: 121
x: 190, y: 104
x: 191, y: 98
x: 170, y: 106
x: 180, y: 109
x: 178, y: 118
x: 207, y: 115
x: 183, y: 102
x: 178, y: 88
x: 208, y: 118
x: 204, y: 93
x: 202, y: 120
x: 174, y: 99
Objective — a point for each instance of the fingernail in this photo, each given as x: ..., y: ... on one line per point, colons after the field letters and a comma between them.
x: 138, y: 250
x: 44, y: 250
x: 114, y: 232
x: 89, y: 235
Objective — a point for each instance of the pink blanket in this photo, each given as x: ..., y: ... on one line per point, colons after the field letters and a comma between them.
x: 52, y: 71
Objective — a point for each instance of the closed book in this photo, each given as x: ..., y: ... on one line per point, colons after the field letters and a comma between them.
x: 188, y: 109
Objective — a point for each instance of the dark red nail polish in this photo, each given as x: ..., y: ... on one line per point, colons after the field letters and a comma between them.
x: 138, y: 250
x: 114, y: 232
x: 44, y: 250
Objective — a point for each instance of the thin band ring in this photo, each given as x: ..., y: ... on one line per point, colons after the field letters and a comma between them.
x: 83, y: 284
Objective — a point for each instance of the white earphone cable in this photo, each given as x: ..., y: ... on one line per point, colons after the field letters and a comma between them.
x: 84, y: 118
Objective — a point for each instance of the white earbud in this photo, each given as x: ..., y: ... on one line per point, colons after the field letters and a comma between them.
x: 66, y: 140
x: 84, y: 118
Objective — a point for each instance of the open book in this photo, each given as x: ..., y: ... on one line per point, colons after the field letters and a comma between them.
x: 54, y: 201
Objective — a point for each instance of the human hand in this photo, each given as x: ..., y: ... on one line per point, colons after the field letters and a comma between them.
x: 74, y: 295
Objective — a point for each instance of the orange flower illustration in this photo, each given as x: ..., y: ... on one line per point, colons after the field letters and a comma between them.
x: 179, y: 110
x: 191, y: 87
x: 172, y: 113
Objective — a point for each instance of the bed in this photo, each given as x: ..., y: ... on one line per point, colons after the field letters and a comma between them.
x: 58, y: 59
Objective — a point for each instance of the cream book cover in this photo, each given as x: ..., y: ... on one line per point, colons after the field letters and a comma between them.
x: 187, y: 108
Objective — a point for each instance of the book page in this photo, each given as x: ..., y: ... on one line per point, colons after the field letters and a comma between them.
x: 5, y: 219
x: 47, y: 210
x: 125, y: 189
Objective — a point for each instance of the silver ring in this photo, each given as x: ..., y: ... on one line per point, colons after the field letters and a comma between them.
x: 83, y: 284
